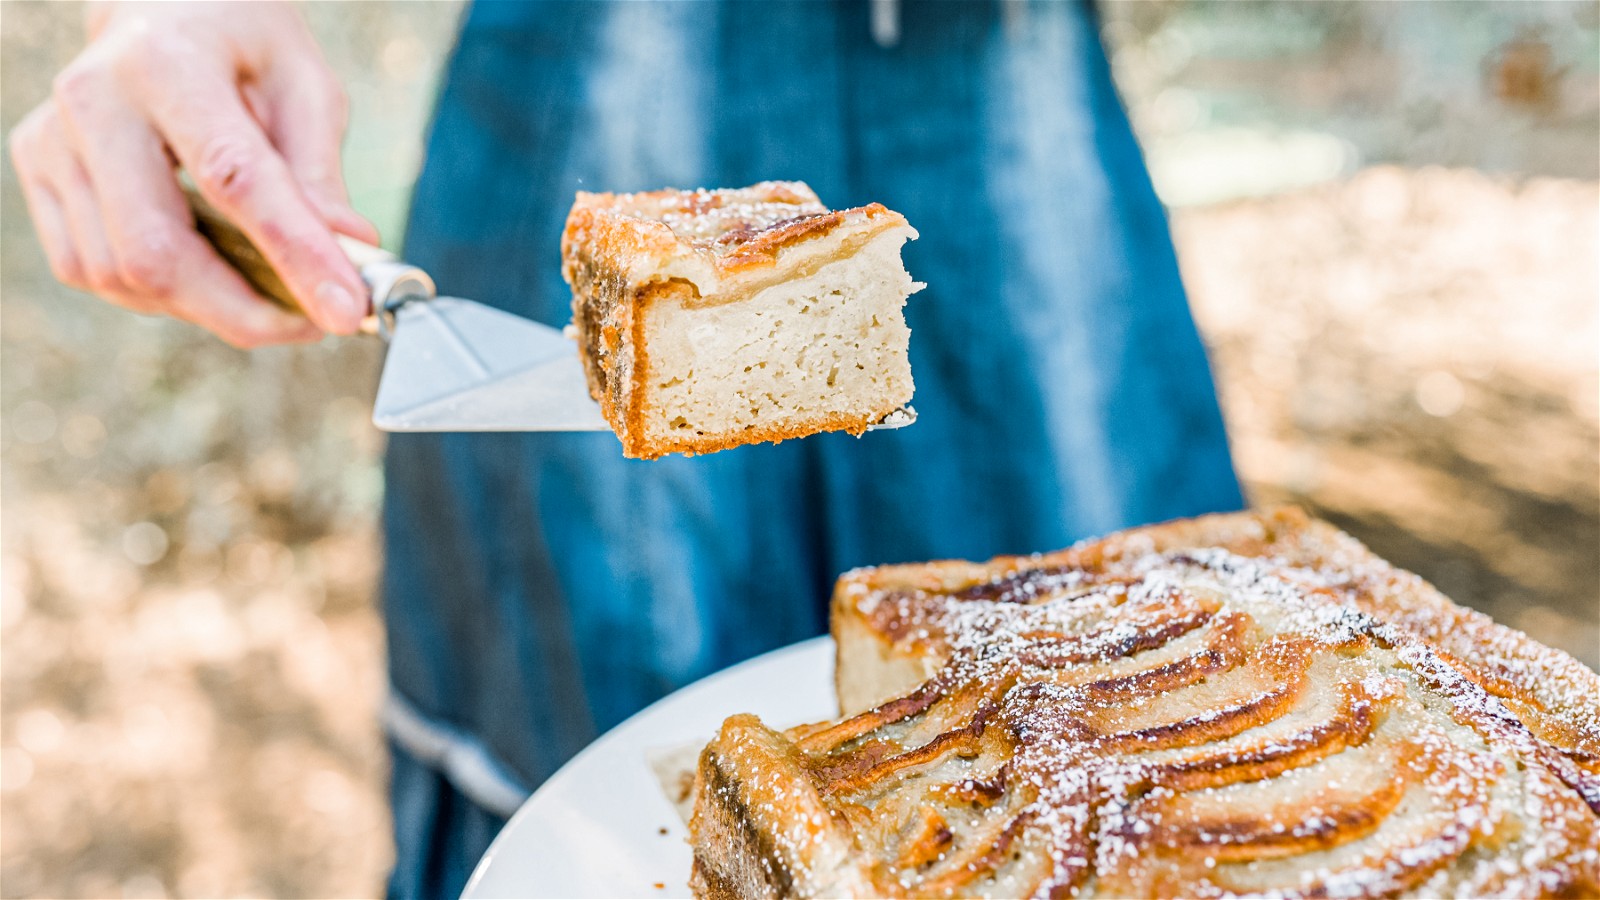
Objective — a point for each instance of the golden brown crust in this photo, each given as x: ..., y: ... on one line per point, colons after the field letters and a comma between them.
x: 623, y: 253
x: 730, y: 231
x: 1552, y: 691
x: 716, y: 241
x: 1241, y: 704
x: 792, y: 428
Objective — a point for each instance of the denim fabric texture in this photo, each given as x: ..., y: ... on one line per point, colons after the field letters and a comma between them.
x: 540, y: 588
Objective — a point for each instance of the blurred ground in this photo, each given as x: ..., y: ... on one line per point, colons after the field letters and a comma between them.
x: 191, y: 659
x: 1411, y: 353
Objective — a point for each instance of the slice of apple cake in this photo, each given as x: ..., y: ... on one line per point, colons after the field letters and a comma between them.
x: 710, y: 319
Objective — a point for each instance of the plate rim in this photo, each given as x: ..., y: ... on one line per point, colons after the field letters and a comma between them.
x: 602, y: 744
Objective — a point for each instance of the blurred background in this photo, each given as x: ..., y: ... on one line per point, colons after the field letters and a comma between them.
x: 1388, y: 215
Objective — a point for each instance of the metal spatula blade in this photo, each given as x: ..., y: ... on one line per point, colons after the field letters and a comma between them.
x: 457, y: 365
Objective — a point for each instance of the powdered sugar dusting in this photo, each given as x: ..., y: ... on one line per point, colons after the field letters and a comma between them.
x: 721, y: 220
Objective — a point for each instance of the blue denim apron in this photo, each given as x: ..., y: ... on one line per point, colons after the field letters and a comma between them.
x: 540, y: 588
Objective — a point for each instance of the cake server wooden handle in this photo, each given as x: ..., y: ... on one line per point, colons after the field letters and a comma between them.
x: 390, y: 281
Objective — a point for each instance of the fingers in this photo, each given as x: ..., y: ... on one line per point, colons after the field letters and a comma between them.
x: 200, y: 113
x: 44, y: 207
x: 305, y: 115
x: 51, y: 224
x: 137, y: 201
x: 62, y: 201
x: 217, y: 299
x: 182, y: 277
x: 93, y: 249
x: 217, y: 90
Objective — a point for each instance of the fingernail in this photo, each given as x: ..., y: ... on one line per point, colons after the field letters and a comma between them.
x: 334, y: 298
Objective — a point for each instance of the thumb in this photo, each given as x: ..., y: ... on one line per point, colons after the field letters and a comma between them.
x: 305, y: 114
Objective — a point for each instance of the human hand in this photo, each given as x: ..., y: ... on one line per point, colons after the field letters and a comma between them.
x: 238, y: 95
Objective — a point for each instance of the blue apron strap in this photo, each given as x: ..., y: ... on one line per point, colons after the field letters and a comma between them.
x: 462, y: 759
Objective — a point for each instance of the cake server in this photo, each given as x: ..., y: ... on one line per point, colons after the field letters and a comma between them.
x: 453, y: 364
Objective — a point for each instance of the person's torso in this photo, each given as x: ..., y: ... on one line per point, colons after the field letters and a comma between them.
x: 540, y: 587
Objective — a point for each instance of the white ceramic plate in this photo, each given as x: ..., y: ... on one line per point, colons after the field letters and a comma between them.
x: 595, y: 829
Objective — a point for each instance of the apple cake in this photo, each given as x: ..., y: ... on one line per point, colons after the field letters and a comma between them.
x: 708, y: 319
x: 1248, y: 704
